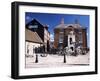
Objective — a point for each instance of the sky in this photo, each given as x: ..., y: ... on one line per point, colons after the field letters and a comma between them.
x: 52, y: 20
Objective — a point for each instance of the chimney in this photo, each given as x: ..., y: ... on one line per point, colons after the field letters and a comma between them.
x: 62, y: 21
x: 46, y: 26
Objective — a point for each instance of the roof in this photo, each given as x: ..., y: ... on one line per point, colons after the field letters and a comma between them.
x: 63, y: 26
x: 35, y: 22
x: 32, y: 36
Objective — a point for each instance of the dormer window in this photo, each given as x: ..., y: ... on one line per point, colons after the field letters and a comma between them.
x: 33, y: 26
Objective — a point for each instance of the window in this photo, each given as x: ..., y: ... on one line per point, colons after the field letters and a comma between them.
x: 80, y: 37
x: 33, y: 49
x: 66, y: 41
x: 33, y: 26
x: 27, y: 49
x: 61, y: 31
x: 61, y: 38
x: 70, y: 40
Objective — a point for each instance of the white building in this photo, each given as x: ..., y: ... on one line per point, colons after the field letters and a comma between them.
x: 42, y: 31
x: 32, y: 41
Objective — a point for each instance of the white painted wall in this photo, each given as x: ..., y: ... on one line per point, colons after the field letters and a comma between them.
x: 5, y: 40
x: 30, y: 46
x: 46, y: 36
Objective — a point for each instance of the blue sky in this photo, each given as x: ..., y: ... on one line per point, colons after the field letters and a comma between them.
x: 53, y: 20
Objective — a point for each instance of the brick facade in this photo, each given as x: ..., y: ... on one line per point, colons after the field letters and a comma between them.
x: 78, y: 31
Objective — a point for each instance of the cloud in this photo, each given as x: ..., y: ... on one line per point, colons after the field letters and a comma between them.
x: 28, y: 17
x: 51, y: 37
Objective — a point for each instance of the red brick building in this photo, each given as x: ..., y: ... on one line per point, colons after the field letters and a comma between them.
x: 70, y: 35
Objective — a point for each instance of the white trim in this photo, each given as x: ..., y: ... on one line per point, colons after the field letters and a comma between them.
x: 34, y: 71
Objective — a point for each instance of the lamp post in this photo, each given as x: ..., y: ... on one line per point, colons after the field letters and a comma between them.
x: 63, y: 52
x: 36, y: 51
x: 64, y: 56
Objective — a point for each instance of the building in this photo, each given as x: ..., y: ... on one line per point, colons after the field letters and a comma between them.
x: 46, y: 39
x: 70, y: 35
x: 42, y: 31
x: 32, y: 41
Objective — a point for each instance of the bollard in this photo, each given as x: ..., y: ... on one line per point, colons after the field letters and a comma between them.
x: 64, y: 58
x: 36, y: 60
